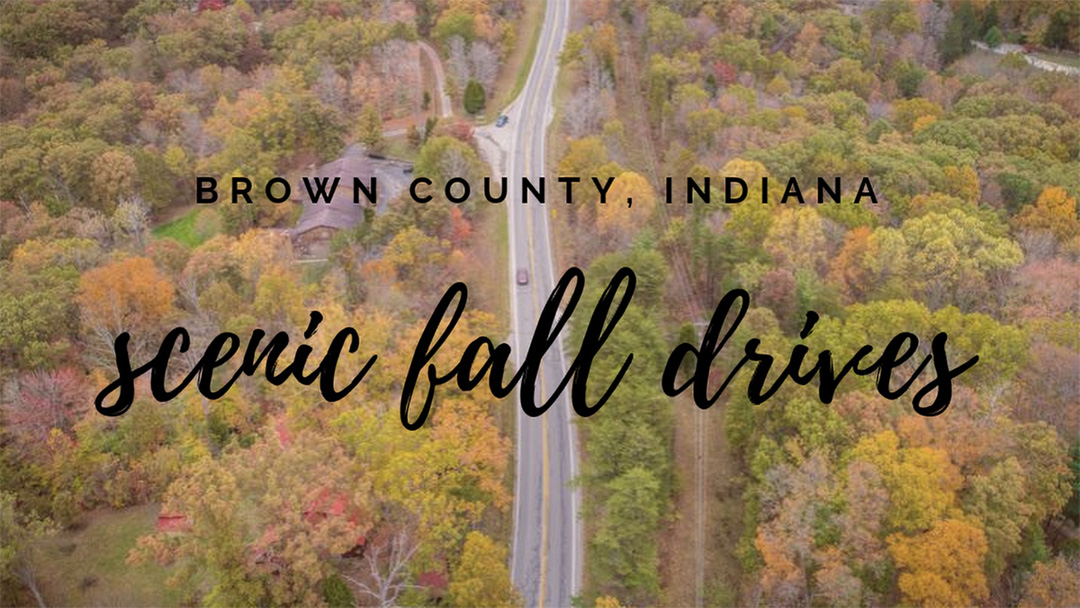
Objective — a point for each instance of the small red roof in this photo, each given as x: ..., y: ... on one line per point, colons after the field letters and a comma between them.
x: 433, y: 580
x: 172, y: 522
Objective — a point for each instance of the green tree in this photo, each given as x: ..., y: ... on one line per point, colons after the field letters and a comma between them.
x: 909, y: 75
x: 337, y: 594
x: 1057, y: 33
x: 207, y: 497
x: 443, y: 158
x: 959, y: 32
x: 475, y: 97
x: 455, y: 22
x: 624, y: 548
x: 954, y: 255
x: 990, y: 17
x: 262, y: 521
x: 998, y: 500
x: 37, y: 304
x: 371, y: 127
x: 667, y: 29
x: 18, y: 553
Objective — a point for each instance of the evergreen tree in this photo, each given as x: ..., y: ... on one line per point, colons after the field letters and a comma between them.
x: 1057, y: 33
x: 990, y: 19
x: 475, y: 97
x: 371, y: 127
x: 958, y: 34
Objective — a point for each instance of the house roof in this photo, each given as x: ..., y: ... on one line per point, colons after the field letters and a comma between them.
x: 172, y: 522
x: 341, y: 213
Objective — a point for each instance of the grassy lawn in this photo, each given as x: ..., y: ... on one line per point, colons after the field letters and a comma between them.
x: 516, y: 71
x: 400, y: 148
x: 191, y: 229
x: 87, y: 566
x: 314, y: 270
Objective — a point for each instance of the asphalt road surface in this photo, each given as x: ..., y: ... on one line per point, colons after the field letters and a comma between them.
x: 546, y: 554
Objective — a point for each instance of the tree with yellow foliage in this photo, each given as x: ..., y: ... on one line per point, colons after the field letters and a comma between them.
x: 796, y: 239
x: 921, y: 481
x: 482, y: 579
x: 629, y: 204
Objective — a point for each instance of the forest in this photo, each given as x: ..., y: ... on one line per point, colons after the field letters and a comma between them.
x: 275, y: 495
x: 268, y: 494
x: 974, y: 159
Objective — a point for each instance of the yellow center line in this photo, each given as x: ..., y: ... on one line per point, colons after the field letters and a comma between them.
x: 545, y: 462
x: 545, y: 501
x: 528, y: 113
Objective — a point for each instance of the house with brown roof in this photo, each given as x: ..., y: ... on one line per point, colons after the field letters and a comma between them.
x: 321, y: 220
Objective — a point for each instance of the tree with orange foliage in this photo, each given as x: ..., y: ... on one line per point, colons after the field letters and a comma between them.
x: 963, y: 183
x: 128, y: 295
x: 850, y: 268
x: 1053, y: 212
x: 943, y: 566
x: 1053, y: 583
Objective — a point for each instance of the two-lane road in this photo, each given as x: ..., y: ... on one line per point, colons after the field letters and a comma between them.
x: 546, y: 557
